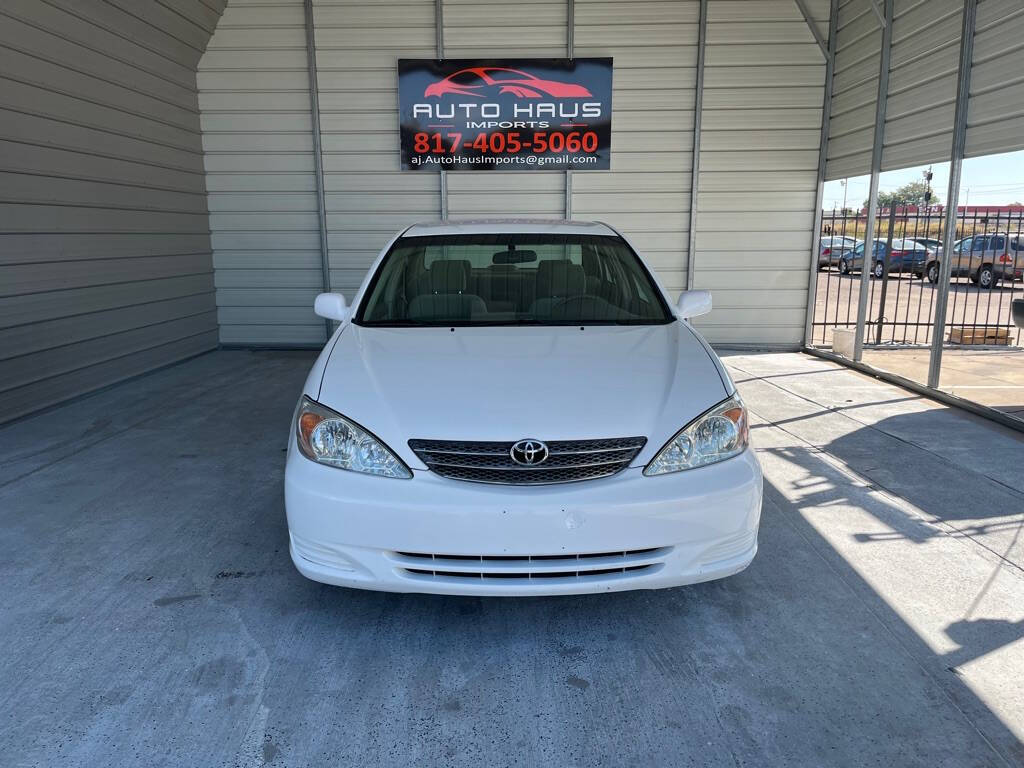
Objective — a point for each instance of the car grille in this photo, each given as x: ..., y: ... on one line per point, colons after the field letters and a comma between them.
x: 597, y: 565
x: 491, y: 462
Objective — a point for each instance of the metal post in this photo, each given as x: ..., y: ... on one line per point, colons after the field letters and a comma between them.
x: 568, y: 195
x: 956, y: 159
x: 570, y: 33
x: 318, y: 157
x: 702, y: 35
x: 443, y: 181
x: 876, y: 165
x: 439, y: 32
x: 826, y: 110
x: 885, y: 274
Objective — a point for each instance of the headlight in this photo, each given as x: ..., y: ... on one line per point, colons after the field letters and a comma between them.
x: 329, y: 438
x: 719, y: 434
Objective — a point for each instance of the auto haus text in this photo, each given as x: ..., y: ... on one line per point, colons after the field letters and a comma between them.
x: 489, y: 115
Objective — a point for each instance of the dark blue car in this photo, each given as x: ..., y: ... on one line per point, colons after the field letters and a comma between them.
x: 907, y: 256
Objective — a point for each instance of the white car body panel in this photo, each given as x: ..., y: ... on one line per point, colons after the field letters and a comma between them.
x: 549, y: 383
x: 506, y: 383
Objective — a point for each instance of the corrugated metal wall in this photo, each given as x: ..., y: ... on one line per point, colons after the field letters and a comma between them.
x: 995, y: 114
x: 854, y: 90
x: 368, y: 198
x: 267, y: 265
x: 105, y: 266
x: 647, y: 193
x: 761, y: 123
x: 922, y: 84
x: 762, y: 111
x: 478, y: 28
x: 257, y: 135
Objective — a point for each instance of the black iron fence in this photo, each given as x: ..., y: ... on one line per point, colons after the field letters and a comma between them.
x: 905, y: 261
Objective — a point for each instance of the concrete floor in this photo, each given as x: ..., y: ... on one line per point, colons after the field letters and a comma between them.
x: 992, y: 377
x: 151, y: 615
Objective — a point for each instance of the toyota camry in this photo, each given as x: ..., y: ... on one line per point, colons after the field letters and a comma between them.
x: 518, y: 408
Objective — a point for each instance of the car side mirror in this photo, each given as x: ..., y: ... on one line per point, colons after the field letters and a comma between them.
x: 693, y: 304
x: 332, y: 306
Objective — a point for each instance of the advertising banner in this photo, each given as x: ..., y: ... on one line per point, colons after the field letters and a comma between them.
x: 505, y: 114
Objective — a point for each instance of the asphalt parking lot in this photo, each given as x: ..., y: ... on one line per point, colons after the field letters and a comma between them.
x: 152, y: 615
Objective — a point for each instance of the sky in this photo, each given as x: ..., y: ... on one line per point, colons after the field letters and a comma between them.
x: 988, y: 180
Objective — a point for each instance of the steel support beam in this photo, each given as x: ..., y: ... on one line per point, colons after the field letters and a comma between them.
x: 826, y: 116
x: 702, y: 36
x: 439, y: 33
x: 570, y: 34
x: 876, y: 166
x: 318, y: 157
x: 802, y: 5
x: 878, y: 12
x: 956, y: 159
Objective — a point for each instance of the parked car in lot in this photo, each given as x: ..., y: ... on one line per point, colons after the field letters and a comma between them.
x: 907, y: 256
x: 932, y: 244
x: 984, y: 259
x: 517, y: 408
x: 832, y: 248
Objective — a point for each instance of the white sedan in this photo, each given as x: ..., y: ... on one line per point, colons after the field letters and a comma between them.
x: 517, y: 408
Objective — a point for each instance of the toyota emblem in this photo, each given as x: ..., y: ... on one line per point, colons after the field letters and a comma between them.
x: 529, y: 453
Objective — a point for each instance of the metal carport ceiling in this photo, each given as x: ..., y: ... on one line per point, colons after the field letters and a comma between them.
x: 919, y: 103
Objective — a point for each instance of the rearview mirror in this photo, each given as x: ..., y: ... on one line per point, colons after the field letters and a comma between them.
x: 514, y: 257
x: 332, y: 306
x: 693, y: 304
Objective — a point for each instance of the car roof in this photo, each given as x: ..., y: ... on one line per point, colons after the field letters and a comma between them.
x: 508, y: 226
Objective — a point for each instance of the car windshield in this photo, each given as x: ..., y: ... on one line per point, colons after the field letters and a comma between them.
x: 512, y: 279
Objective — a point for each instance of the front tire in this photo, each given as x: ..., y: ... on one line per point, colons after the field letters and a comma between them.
x: 878, y: 270
x: 933, y: 272
x: 844, y: 267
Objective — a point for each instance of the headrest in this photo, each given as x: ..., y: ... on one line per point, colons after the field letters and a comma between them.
x: 449, y: 276
x: 446, y: 307
x: 560, y: 279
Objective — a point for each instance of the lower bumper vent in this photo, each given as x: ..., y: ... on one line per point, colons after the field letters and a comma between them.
x: 595, y: 565
x: 540, y: 575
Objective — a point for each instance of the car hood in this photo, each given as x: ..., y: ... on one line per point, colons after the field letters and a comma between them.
x: 509, y: 383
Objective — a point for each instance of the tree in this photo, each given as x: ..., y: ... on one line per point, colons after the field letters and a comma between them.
x: 913, y: 193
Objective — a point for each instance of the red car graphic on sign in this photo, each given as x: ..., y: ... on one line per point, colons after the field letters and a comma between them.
x: 482, y: 81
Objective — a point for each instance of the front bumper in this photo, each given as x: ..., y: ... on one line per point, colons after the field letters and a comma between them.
x: 436, y: 535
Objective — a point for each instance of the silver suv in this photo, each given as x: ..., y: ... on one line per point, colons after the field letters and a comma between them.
x: 985, y: 259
